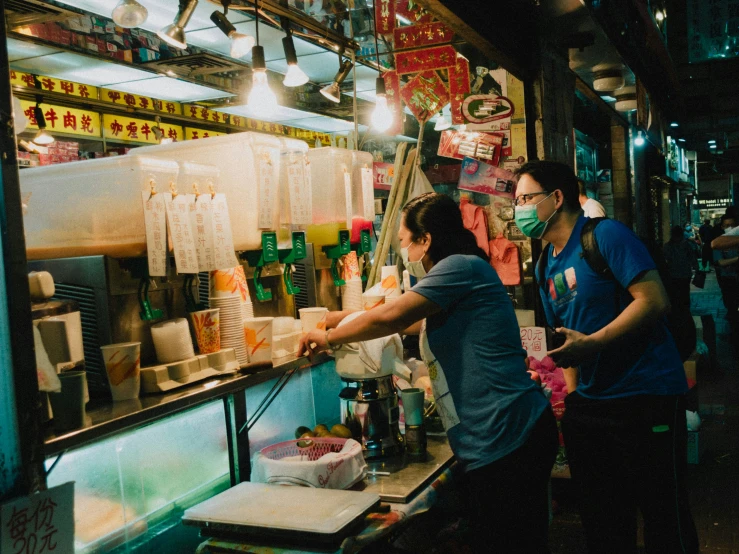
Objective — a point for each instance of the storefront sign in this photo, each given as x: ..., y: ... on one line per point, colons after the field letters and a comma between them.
x: 129, y: 129
x: 478, y: 176
x: 64, y: 120
x: 425, y: 95
x: 425, y: 59
x: 140, y: 102
x: 40, y: 522
x: 206, y: 114
x: 50, y: 84
x: 426, y: 34
x: 711, y: 203
x: 195, y: 134
x: 460, y: 144
x: 385, y: 16
x: 384, y: 175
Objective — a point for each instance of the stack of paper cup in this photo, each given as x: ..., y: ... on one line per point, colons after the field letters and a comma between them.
x: 258, y: 333
x: 312, y: 318
x: 351, y: 295
x: 232, y: 282
x: 172, y: 340
x: 351, y: 267
x: 232, y: 325
x: 390, y: 282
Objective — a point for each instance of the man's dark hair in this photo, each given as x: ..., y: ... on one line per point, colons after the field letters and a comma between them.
x: 726, y: 216
x: 732, y: 212
x: 706, y: 222
x: 554, y: 176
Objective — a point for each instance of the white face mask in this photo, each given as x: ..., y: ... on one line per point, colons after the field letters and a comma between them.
x: 414, y: 268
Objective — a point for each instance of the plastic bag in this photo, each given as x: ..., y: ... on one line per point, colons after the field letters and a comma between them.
x: 504, y: 257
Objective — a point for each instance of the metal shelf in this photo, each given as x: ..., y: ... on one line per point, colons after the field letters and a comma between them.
x: 108, y: 418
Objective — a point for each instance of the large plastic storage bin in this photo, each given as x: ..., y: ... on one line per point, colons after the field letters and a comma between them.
x: 296, y: 194
x: 244, y: 160
x: 91, y: 207
x: 332, y: 208
x: 363, y: 195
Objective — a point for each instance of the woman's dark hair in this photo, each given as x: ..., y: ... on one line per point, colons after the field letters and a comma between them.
x: 438, y: 215
x: 554, y: 176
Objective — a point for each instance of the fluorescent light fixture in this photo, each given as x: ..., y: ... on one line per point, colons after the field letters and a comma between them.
x: 712, y: 141
x: 295, y: 76
x: 674, y: 124
x: 712, y: 146
x: 681, y: 140
x: 333, y: 91
x: 174, y: 34
x: 639, y: 140
x: 261, y: 98
x: 129, y: 14
x: 382, y: 116
x: 241, y: 44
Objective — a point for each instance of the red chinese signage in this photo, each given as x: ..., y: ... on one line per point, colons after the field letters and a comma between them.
x: 413, y: 61
x: 425, y: 95
x: 385, y: 16
x: 412, y: 11
x: 426, y: 34
x: 392, y: 90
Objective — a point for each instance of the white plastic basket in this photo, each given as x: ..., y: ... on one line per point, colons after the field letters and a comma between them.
x: 320, y: 462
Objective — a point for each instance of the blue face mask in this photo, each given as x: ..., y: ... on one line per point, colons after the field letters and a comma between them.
x: 527, y: 219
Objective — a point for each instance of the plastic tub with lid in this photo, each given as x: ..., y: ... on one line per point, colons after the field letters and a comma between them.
x: 363, y: 194
x: 331, y: 175
x: 296, y: 191
x: 91, y: 207
x: 249, y: 165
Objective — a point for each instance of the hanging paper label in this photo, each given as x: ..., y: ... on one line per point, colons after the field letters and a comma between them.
x: 180, y: 231
x: 222, y: 235
x: 266, y: 193
x: 39, y: 522
x: 202, y: 230
x: 368, y: 194
x: 348, y: 194
x: 155, y: 221
x: 301, y: 196
x: 534, y: 341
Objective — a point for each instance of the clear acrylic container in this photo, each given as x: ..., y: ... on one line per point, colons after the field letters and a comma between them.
x: 249, y: 165
x: 363, y: 196
x: 332, y: 207
x: 91, y: 207
x: 296, y: 194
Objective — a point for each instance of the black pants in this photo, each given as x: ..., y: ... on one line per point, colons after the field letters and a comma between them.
x: 628, y: 454
x: 509, y: 498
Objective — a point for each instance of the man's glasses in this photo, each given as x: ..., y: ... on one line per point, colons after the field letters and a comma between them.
x: 524, y: 198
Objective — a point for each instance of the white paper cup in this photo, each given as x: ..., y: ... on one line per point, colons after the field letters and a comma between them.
x: 312, y: 318
x: 123, y: 366
x: 370, y: 301
x: 258, y: 335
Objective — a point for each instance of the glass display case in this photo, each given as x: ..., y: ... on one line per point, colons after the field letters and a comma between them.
x: 586, y: 157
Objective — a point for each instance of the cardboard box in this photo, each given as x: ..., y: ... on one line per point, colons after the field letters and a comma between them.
x: 696, y: 447
x: 691, y: 367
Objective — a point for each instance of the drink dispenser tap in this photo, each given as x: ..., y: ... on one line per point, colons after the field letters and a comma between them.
x: 336, y: 251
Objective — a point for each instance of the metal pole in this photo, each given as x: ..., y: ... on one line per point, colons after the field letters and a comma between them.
x: 21, y: 439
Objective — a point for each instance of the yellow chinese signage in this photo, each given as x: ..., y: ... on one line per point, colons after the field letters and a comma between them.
x: 48, y: 84
x: 129, y: 129
x: 140, y: 102
x: 204, y: 113
x: 64, y: 120
x: 194, y: 134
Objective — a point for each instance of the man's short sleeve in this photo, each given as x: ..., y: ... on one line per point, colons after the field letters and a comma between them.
x: 733, y: 232
x: 448, y: 281
x: 626, y: 255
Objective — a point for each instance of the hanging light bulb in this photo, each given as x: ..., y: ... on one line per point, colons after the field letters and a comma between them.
x: 174, y: 34
x: 262, y: 100
x: 241, y: 44
x: 129, y: 14
x: 639, y: 140
x: 442, y: 124
x: 295, y: 76
x: 43, y: 137
x: 333, y: 91
x: 382, y: 117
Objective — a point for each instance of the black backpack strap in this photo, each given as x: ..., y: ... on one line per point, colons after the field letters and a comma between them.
x: 541, y: 266
x: 590, y: 250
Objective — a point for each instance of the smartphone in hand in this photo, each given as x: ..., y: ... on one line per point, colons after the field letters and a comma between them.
x: 554, y: 339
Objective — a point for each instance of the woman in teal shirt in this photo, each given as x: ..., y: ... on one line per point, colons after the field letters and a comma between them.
x: 498, y: 421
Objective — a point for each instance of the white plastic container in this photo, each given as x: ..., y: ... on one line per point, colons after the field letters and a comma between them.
x: 200, y: 176
x: 328, y: 167
x: 296, y: 191
x: 249, y: 165
x: 92, y: 207
x: 363, y: 194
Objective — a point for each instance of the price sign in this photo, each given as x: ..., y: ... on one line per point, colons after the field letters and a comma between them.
x: 156, y: 232
x: 180, y: 229
x: 534, y: 341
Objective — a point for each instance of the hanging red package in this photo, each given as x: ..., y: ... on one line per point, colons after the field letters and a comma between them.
x: 505, y: 259
x: 476, y: 220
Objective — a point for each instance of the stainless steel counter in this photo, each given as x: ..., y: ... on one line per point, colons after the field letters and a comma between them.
x: 408, y: 477
x: 104, y: 419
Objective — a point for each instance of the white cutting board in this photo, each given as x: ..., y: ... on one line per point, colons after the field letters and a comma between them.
x: 323, y: 511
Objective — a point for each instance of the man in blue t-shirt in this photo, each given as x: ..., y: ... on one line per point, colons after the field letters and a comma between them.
x: 624, y: 427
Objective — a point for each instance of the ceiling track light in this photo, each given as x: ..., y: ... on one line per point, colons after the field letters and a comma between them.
x: 43, y: 137
x: 129, y: 14
x: 262, y: 100
x: 295, y: 76
x: 174, y: 34
x: 333, y: 91
x: 241, y: 44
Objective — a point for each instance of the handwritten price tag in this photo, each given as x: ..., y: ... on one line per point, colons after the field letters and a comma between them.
x: 348, y: 191
x: 301, y: 195
x: 155, y: 221
x: 368, y: 193
x: 202, y: 229
x: 534, y: 341
x: 267, y: 193
x: 180, y: 229
x: 42, y: 522
x: 222, y: 236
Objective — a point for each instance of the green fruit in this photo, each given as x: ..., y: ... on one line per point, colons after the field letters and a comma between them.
x: 320, y: 427
x: 300, y: 430
x: 341, y: 431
